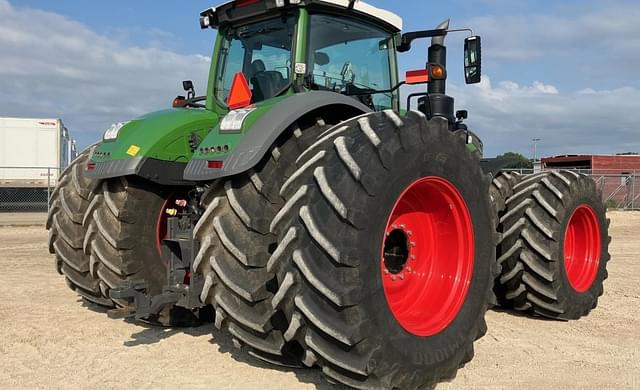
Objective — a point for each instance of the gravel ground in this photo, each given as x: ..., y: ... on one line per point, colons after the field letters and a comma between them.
x: 49, y: 339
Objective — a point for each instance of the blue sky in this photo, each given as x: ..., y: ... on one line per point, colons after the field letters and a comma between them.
x: 561, y: 71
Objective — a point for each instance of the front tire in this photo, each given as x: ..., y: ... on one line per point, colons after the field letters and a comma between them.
x: 347, y: 222
x: 236, y: 245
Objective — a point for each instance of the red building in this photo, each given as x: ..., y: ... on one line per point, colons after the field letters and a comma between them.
x: 610, y: 164
x: 618, y: 176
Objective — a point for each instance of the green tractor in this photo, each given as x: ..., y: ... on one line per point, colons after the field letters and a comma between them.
x: 318, y: 222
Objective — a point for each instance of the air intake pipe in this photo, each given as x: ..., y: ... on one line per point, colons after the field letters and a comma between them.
x: 438, y: 103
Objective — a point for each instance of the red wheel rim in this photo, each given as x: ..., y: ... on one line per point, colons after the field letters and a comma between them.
x: 428, y: 256
x: 582, y: 247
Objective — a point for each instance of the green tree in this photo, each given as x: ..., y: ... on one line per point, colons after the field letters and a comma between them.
x: 516, y: 161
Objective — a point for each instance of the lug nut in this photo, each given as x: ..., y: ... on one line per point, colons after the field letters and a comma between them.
x: 401, y: 276
x: 393, y: 278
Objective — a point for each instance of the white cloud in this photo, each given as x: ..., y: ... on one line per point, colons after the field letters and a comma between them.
x: 613, y: 30
x: 508, y: 116
x: 55, y: 67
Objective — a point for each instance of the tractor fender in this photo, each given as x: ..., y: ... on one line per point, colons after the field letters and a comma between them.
x: 266, y: 130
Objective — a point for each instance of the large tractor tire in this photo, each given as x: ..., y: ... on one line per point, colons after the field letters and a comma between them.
x: 70, y: 214
x: 124, y: 237
x: 385, y: 257
x: 554, y: 245
x: 236, y: 244
x: 501, y: 189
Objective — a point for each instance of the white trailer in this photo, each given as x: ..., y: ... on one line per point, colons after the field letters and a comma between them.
x: 33, y: 153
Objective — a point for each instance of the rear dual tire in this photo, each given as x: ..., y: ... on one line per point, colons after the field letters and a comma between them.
x: 122, y: 239
x: 554, y: 246
x: 69, y: 216
x: 104, y: 232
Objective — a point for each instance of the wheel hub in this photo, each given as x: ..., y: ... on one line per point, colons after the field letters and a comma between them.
x: 428, y: 256
x: 396, y: 251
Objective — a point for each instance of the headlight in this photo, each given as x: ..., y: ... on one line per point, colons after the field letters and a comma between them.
x: 112, y: 132
x: 233, y: 121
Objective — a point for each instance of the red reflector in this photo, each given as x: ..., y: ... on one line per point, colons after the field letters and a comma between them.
x: 91, y: 166
x: 417, y: 77
x: 240, y: 95
x: 215, y: 164
x: 246, y: 3
x: 179, y: 102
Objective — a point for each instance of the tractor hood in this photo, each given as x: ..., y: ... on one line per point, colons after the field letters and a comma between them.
x: 161, y: 141
x: 163, y: 135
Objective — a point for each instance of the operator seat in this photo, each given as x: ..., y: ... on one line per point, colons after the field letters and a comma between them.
x: 266, y: 84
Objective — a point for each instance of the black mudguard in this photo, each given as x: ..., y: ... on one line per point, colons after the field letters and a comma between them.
x: 267, y: 129
x: 493, y: 165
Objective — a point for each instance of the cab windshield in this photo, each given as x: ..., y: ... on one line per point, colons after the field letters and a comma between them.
x: 262, y: 52
x: 351, y: 57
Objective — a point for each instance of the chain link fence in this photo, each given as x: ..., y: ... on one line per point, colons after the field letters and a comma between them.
x: 619, y: 190
x: 30, y: 188
x: 27, y: 188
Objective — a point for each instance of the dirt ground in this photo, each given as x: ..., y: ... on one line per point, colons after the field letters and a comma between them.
x: 48, y: 339
x: 22, y: 219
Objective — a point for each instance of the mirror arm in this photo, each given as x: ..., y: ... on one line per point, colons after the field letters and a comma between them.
x: 470, y: 31
x: 408, y: 38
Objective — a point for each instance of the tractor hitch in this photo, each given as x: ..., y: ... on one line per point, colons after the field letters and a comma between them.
x: 143, y: 306
x: 178, y: 304
x: 170, y: 308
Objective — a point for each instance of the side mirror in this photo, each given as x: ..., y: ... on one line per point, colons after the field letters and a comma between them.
x: 187, y: 85
x: 473, y: 60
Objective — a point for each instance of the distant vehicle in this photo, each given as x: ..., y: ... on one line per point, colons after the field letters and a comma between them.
x: 33, y: 153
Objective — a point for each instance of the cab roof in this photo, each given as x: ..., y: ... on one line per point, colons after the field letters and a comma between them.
x: 238, y: 10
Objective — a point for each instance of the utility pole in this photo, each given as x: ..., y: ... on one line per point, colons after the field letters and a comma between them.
x: 535, y: 153
x: 535, y: 149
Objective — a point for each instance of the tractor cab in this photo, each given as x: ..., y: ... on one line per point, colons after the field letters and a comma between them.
x: 273, y: 48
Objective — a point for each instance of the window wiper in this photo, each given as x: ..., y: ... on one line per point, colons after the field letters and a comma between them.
x: 249, y: 34
x: 353, y: 90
